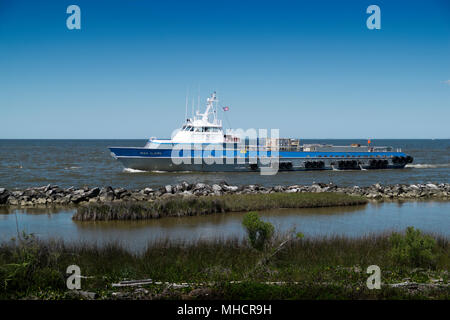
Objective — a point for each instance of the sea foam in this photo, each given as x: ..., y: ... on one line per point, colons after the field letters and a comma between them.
x: 129, y: 170
x: 428, y: 166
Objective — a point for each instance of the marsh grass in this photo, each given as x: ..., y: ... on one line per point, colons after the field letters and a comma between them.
x: 332, y: 267
x: 191, y: 206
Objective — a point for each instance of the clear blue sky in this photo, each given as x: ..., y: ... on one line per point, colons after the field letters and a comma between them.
x: 310, y: 68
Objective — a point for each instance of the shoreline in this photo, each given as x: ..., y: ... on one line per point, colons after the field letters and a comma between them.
x: 227, y: 269
x: 52, y: 195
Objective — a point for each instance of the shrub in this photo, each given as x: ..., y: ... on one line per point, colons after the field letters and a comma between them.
x: 413, y: 248
x: 259, y: 232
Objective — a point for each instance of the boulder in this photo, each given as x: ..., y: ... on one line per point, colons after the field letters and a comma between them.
x: 106, y: 194
x: 278, y: 188
x: 77, y: 198
x: 148, y: 190
x: 4, y: 194
x: 41, y: 201
x: 119, y: 192
x: 186, y: 185
x: 92, y: 193
x: 12, y: 201
x: 139, y: 196
x: 230, y: 188
x: 168, y: 188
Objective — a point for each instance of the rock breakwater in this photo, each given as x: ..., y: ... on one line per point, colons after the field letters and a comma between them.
x: 51, y: 195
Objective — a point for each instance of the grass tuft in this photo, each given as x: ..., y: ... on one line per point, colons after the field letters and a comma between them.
x: 178, y: 206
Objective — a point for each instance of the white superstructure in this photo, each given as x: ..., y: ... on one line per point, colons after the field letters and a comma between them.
x: 202, y: 128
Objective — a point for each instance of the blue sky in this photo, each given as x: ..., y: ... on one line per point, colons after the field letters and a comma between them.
x: 310, y: 68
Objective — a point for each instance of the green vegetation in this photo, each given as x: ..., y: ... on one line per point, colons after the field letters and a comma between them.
x: 189, y: 206
x: 414, y: 248
x: 28, y: 263
x: 259, y: 232
x: 325, y: 268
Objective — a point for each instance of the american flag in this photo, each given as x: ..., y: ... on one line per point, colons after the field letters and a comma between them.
x: 226, y: 108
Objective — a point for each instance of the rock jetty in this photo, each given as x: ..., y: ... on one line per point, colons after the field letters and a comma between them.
x: 52, y: 195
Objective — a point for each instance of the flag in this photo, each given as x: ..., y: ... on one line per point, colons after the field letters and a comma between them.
x: 369, y: 142
x: 225, y: 108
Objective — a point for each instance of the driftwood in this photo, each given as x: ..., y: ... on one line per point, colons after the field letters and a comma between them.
x: 143, y: 282
x: 133, y: 283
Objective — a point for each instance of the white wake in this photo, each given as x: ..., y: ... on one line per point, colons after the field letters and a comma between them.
x: 129, y: 170
x: 428, y: 166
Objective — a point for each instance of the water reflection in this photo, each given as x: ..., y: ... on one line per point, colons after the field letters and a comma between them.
x: 32, y: 210
x: 348, y: 221
x: 213, y: 220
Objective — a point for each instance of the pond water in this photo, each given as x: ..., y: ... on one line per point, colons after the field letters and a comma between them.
x: 433, y: 216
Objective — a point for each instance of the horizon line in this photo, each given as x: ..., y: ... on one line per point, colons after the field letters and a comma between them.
x: 280, y: 138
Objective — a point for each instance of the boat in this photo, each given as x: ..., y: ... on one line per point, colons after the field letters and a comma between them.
x: 202, y: 145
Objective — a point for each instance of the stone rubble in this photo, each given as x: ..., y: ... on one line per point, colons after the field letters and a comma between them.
x: 52, y: 195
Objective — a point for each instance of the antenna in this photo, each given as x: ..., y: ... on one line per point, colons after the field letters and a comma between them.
x: 198, y: 99
x: 186, y: 111
x: 198, y: 103
x: 215, y: 107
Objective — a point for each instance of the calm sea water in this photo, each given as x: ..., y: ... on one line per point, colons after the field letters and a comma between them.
x: 355, y: 221
x: 26, y: 163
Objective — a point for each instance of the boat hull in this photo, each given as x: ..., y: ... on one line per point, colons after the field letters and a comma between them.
x: 161, y: 160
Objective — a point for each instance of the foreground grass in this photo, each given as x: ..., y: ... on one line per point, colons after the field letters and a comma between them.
x: 190, y: 206
x: 328, y: 268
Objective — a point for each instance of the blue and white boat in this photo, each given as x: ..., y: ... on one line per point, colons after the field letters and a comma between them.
x: 201, y: 145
